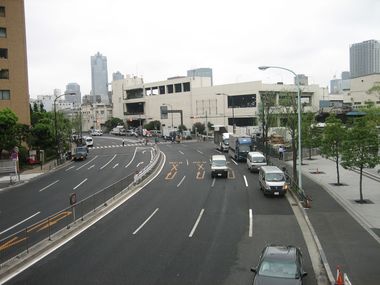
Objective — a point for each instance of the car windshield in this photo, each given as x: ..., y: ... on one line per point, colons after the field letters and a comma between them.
x: 259, y: 159
x: 226, y: 142
x: 274, y: 177
x: 81, y: 150
x: 245, y: 148
x: 277, y: 268
x: 219, y: 162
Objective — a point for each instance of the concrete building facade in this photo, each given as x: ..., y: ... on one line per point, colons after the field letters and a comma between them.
x: 73, y: 94
x: 138, y: 103
x: 365, y: 58
x: 14, y: 89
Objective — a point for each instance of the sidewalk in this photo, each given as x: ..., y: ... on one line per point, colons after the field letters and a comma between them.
x: 323, y: 171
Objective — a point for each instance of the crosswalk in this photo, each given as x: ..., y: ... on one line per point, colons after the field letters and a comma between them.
x: 126, y: 145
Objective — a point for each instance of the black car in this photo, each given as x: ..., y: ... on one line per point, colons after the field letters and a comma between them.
x: 279, y: 264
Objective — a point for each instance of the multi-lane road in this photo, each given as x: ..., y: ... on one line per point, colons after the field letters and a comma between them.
x: 182, y: 228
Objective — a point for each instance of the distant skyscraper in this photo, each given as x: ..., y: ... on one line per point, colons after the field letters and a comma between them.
x: 117, y: 76
x: 73, y: 93
x: 99, y: 77
x: 365, y: 58
x: 200, y: 72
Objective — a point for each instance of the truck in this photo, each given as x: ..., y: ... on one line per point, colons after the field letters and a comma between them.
x: 221, y: 137
x: 118, y: 131
x: 239, y: 146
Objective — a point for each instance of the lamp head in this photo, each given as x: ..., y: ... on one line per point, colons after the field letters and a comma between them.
x: 263, y: 67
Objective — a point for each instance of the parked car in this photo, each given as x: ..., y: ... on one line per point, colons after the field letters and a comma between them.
x: 279, y: 264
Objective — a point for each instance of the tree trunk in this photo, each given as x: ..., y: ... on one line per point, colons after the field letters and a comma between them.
x: 337, y: 169
x: 309, y: 153
x: 361, y: 183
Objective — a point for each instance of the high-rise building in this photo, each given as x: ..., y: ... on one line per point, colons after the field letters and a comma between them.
x: 117, y: 76
x: 14, y: 89
x: 99, y: 77
x: 365, y: 58
x: 73, y: 94
x: 200, y: 72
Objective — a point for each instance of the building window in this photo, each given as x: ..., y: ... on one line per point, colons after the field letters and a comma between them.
x: 242, y: 101
x: 2, y: 11
x: 178, y: 88
x: 169, y: 88
x: 4, y: 73
x: 3, y: 32
x: 162, y: 89
x: 186, y: 86
x: 3, y: 53
x: 5, y: 95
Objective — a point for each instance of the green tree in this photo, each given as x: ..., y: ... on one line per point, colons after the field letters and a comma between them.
x: 153, y: 125
x: 199, y: 128
x: 361, y: 148
x: 334, y: 134
x: 113, y: 122
x: 267, y: 116
x: 8, y: 122
x: 182, y: 128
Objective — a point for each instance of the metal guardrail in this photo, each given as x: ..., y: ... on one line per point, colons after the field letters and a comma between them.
x: 21, y: 241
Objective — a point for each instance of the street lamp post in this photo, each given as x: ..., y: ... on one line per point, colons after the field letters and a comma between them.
x: 233, y: 110
x: 299, y: 120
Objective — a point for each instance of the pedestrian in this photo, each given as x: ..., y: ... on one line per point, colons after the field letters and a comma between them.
x: 281, y: 152
x: 123, y: 142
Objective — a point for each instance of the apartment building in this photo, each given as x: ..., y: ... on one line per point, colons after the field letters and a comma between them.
x: 14, y: 89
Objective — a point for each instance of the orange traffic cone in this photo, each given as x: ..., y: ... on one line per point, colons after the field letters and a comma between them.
x: 339, y: 277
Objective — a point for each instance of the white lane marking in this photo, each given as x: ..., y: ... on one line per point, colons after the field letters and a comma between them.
x: 199, y: 151
x: 250, y: 223
x: 87, y: 163
x: 147, y: 220
x: 245, y: 180
x: 142, y: 162
x: 233, y: 160
x: 70, y: 168
x: 19, y: 223
x: 179, y: 184
x: 108, y: 162
x: 115, y: 165
x: 91, y: 166
x: 46, y: 187
x: 196, y: 223
x: 213, y: 182
x: 133, y: 157
x: 187, y: 162
x: 80, y: 184
x: 181, y: 152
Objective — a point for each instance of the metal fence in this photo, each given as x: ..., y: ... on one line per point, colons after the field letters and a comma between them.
x: 21, y: 241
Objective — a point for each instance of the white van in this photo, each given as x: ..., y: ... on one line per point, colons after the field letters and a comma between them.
x: 272, y: 181
x: 255, y: 160
x: 89, y: 141
x: 218, y: 165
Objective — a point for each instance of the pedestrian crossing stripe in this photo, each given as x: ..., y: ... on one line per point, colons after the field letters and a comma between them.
x: 120, y: 145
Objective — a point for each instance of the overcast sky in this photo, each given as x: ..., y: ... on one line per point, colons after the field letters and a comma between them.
x: 159, y: 39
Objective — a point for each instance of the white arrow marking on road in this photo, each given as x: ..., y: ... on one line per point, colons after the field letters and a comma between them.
x: 147, y: 220
x: 108, y: 162
x: 80, y: 184
x: 181, y: 152
x: 196, y: 223
x: 8, y: 229
x: 199, y: 151
x: 142, y: 162
x: 115, y: 165
x: 87, y: 163
x: 51, y: 184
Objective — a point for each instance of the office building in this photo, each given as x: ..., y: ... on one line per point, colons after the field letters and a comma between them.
x: 365, y: 58
x: 73, y: 94
x: 201, y: 72
x: 117, y: 76
x: 14, y: 89
x: 99, y: 77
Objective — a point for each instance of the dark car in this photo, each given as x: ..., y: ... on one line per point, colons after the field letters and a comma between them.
x: 279, y: 264
x: 80, y: 153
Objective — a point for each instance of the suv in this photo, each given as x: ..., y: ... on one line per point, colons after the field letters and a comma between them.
x: 80, y: 153
x: 218, y: 165
x: 279, y: 264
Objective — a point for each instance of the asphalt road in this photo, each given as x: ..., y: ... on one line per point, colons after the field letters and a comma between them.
x: 184, y: 227
x: 27, y: 204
